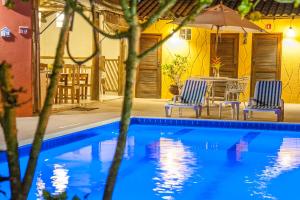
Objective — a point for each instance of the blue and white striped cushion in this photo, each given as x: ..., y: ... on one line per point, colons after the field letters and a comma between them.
x: 268, y: 94
x: 194, y: 92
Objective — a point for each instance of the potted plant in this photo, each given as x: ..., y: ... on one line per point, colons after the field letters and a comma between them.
x: 216, y: 64
x: 175, y: 70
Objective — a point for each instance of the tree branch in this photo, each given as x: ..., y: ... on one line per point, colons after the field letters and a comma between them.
x: 125, y: 7
x: 193, y: 13
x: 96, y: 51
x: 119, y: 35
x: 164, y: 7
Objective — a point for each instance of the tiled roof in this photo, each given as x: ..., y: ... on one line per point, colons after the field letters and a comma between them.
x: 269, y: 8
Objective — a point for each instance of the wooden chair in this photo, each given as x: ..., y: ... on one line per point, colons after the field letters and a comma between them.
x: 69, y: 84
x: 84, y: 85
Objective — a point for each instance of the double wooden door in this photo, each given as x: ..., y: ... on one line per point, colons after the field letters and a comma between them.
x: 149, y: 72
x: 266, y: 58
x: 227, y: 50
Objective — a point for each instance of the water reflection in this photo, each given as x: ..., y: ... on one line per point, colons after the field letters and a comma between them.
x: 108, y: 147
x: 288, y: 158
x: 59, y: 181
x: 55, y: 175
x: 235, y: 152
x: 176, y: 164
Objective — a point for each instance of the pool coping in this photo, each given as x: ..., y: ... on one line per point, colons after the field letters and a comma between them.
x: 260, y: 125
x: 65, y: 132
x: 209, y: 123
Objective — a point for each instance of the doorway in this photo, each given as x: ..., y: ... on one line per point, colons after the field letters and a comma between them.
x: 228, y: 51
x: 266, y: 58
x: 148, y: 83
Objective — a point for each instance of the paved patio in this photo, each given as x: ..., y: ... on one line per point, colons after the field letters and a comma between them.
x: 74, y: 118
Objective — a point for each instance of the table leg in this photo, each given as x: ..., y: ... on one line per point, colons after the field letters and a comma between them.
x: 220, y: 110
x: 233, y: 110
x: 238, y: 111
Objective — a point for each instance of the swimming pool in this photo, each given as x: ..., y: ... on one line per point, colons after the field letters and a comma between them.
x: 174, y: 159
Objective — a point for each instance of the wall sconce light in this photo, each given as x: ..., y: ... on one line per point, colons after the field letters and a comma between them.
x: 23, y: 30
x: 5, y: 32
x: 185, y: 34
x: 291, y: 33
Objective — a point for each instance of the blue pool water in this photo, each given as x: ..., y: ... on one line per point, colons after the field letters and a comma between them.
x: 172, y: 162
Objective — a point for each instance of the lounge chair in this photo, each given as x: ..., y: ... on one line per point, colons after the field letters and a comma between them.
x: 192, y: 96
x: 267, y: 98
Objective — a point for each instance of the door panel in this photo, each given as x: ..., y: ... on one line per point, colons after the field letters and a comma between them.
x: 266, y: 58
x: 149, y: 73
x: 228, y: 48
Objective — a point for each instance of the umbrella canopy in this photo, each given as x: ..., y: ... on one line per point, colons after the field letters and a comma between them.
x: 222, y: 18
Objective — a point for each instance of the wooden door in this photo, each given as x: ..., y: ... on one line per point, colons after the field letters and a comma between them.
x: 149, y: 73
x: 266, y: 58
x: 228, y: 50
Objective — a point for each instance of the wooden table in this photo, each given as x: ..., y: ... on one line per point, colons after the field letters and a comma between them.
x: 69, y: 81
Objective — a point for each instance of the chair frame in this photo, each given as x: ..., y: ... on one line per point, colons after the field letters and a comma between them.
x: 278, y: 109
x: 175, y: 104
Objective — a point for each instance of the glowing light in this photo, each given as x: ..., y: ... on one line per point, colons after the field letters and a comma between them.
x: 59, y: 19
x: 176, y: 165
x: 175, y: 40
x: 288, y: 158
x: 60, y: 178
x: 291, y: 33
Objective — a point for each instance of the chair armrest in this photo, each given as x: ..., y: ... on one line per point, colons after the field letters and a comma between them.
x: 281, y: 103
x: 251, y: 101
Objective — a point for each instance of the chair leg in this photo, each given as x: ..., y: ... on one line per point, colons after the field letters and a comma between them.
x: 60, y: 95
x: 72, y: 95
x: 200, y: 111
x: 85, y: 92
x: 66, y: 95
x: 220, y: 110
x: 197, y: 112
x: 168, y: 111
x: 78, y: 95
x: 282, y: 115
x: 279, y: 116
x: 245, y: 115
x: 207, y: 104
x: 232, y: 111
x: 237, y: 111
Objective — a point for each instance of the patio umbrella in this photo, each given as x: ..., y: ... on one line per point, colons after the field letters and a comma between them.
x: 221, y: 18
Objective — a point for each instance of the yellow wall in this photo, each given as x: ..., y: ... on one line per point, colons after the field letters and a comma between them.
x: 198, y: 51
x: 80, y: 40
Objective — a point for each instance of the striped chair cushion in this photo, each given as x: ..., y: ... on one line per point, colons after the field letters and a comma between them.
x: 267, y: 94
x: 194, y: 92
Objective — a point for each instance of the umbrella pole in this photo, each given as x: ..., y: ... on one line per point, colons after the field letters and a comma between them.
x: 217, y: 41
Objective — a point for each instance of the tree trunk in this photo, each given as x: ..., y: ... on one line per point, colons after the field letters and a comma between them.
x: 46, y: 110
x: 8, y: 122
x: 131, y: 65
